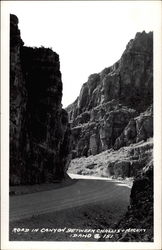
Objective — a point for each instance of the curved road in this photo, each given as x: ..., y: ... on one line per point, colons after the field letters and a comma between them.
x: 87, y: 190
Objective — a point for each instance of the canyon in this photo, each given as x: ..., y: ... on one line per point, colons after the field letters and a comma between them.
x: 106, y: 132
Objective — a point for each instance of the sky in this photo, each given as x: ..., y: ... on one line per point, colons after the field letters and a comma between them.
x: 88, y: 35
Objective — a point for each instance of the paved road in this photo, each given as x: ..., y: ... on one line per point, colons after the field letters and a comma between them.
x: 87, y: 190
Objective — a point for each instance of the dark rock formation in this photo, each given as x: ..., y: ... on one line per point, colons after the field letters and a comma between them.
x: 140, y: 211
x: 39, y: 130
x: 107, y: 112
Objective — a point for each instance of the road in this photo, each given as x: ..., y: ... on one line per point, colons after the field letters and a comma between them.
x: 87, y: 190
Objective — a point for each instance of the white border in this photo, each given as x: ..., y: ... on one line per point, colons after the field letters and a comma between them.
x: 6, y: 244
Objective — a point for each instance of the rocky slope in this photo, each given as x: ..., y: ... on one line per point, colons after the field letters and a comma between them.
x: 123, y: 163
x: 114, y: 107
x: 39, y: 130
x: 112, y: 131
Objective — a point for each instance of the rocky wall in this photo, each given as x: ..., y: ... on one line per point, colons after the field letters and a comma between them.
x: 39, y: 130
x: 110, y: 110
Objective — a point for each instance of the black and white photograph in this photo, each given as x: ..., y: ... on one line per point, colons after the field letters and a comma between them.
x: 82, y: 92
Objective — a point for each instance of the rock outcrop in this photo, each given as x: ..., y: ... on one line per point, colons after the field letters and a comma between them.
x: 141, y: 209
x: 123, y: 163
x: 138, y: 129
x: 39, y: 130
x: 111, y: 108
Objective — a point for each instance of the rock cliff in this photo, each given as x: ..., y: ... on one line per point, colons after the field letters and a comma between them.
x: 111, y: 124
x: 112, y: 130
x: 39, y: 130
x: 140, y: 212
x: 114, y: 107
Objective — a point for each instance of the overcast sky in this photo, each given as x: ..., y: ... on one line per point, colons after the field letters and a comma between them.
x: 88, y: 36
